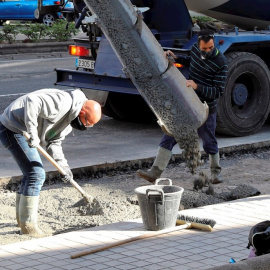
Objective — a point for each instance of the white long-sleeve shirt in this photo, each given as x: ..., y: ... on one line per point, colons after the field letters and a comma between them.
x: 46, y: 113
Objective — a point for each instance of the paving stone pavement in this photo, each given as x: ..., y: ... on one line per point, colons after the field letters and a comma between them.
x: 183, y: 249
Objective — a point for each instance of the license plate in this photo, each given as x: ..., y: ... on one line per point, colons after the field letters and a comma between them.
x: 87, y: 64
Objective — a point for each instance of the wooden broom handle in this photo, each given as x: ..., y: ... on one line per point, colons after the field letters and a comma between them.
x: 186, y: 225
x: 132, y: 239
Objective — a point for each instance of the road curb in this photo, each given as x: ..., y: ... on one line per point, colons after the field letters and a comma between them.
x: 19, y: 50
x: 100, y: 170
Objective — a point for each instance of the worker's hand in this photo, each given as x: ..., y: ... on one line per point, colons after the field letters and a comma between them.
x: 68, y: 176
x: 169, y: 53
x: 192, y: 84
x: 34, y: 141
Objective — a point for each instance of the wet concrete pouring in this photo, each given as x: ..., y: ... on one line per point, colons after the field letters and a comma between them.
x: 178, y: 109
x: 244, y: 174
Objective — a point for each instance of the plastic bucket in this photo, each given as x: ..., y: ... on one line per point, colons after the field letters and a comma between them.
x: 159, y: 204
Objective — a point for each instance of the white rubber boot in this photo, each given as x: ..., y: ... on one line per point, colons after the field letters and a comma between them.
x: 28, y: 212
x: 161, y: 162
x: 215, y: 169
x: 18, y: 196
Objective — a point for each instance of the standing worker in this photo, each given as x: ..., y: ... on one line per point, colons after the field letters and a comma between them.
x: 48, y: 115
x: 207, y: 77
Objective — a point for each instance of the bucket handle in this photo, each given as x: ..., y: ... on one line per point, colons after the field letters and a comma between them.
x: 163, y: 179
x: 156, y: 191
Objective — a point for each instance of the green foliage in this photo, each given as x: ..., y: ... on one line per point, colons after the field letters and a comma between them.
x: 34, y: 31
x: 2, y: 37
x: 202, y: 19
x: 61, y: 31
x: 9, y: 32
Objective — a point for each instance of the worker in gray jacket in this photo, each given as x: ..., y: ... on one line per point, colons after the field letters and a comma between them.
x: 48, y: 115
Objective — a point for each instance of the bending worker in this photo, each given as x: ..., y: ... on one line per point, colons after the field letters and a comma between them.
x: 48, y: 115
x: 207, y: 77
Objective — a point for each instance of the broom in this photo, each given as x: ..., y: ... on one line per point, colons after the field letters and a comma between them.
x: 187, y: 222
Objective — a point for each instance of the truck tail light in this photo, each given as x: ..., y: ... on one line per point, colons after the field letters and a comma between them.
x: 78, y: 50
x: 178, y: 65
x: 56, y: 2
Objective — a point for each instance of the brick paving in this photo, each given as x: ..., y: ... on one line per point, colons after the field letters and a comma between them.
x: 184, y: 249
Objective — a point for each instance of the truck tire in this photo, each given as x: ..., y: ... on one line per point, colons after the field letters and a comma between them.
x: 128, y: 107
x: 245, y: 104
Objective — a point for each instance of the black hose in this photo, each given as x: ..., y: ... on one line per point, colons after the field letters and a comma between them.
x: 81, y: 18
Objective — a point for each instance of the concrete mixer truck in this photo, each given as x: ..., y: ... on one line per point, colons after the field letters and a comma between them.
x: 245, y: 105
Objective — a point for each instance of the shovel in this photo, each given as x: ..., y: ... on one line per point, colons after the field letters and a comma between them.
x: 93, y: 205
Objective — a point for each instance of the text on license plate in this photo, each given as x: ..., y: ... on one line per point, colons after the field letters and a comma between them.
x: 82, y: 63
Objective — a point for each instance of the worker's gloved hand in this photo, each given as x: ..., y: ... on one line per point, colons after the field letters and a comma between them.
x: 68, y: 176
x: 33, y: 141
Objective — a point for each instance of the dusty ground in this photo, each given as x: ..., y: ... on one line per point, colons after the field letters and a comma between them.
x: 59, y: 213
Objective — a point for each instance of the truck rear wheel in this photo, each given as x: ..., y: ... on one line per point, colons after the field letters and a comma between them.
x: 128, y: 107
x: 245, y: 104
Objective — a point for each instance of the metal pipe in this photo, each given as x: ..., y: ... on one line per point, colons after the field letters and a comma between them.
x: 163, y: 87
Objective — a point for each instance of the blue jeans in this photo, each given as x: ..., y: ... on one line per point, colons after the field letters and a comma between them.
x: 27, y: 158
x: 206, y: 132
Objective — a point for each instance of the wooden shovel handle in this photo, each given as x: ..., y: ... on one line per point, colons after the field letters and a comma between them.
x: 56, y: 165
x: 46, y: 155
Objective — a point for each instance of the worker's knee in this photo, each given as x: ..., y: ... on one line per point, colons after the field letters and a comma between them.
x: 33, y: 181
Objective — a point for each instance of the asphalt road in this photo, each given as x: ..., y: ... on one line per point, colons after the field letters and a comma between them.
x: 19, y: 77
x: 109, y: 141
